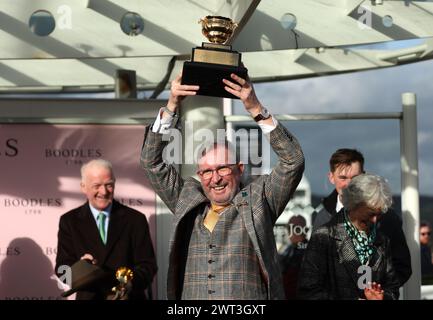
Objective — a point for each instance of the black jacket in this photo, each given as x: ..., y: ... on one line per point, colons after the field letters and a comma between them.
x: 330, y: 268
x: 426, y: 261
x: 128, y: 245
x: 390, y: 225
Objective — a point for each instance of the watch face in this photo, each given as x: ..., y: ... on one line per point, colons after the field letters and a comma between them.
x: 263, y: 115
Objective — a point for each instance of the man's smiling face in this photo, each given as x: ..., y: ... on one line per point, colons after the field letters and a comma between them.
x: 219, y: 178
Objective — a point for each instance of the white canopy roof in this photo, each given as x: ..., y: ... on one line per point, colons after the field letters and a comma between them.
x: 88, y: 45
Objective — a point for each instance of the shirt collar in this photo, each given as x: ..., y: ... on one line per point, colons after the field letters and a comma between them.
x: 339, y: 204
x: 106, y: 211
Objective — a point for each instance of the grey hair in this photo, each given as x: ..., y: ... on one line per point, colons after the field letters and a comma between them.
x: 370, y: 190
x: 97, y: 162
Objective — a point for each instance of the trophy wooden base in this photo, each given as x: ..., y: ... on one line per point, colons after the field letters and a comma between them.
x: 209, y: 77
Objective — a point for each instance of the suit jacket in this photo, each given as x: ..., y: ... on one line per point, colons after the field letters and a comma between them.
x: 389, y: 224
x: 260, y: 203
x: 330, y: 267
x: 426, y: 261
x: 128, y: 245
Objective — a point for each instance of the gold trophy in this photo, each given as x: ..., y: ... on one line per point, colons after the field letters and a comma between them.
x: 124, y: 275
x: 214, y: 60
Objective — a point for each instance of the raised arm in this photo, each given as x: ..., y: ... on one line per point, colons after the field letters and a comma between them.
x: 285, y: 177
x: 165, y: 180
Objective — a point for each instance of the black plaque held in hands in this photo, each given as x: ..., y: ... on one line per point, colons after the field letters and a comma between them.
x: 214, y: 61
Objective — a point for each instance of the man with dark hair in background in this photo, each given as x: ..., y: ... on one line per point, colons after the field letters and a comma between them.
x: 345, y: 164
x: 292, y: 253
x: 426, y: 256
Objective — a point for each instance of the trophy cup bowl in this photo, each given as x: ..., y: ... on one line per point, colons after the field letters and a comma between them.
x: 217, y: 29
x: 214, y: 60
x: 124, y: 275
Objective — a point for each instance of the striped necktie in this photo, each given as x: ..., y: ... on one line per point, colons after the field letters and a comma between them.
x: 101, y: 226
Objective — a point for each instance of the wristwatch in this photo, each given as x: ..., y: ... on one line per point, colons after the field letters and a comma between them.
x: 263, y: 115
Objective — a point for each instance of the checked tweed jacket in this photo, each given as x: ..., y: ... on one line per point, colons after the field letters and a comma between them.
x: 259, y: 203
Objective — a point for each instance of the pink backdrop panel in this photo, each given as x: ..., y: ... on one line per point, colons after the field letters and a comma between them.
x: 39, y: 181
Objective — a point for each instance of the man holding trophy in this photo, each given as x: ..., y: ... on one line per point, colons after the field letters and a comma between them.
x: 223, y: 245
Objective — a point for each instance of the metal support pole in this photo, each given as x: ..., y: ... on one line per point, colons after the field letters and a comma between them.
x: 201, y: 119
x: 228, y: 111
x: 125, y: 84
x: 409, y: 192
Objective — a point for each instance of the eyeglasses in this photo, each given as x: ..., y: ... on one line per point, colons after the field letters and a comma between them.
x: 425, y: 233
x: 222, y: 172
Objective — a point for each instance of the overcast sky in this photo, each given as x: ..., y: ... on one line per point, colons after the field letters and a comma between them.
x: 367, y: 91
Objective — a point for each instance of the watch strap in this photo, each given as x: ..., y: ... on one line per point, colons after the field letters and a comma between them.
x: 259, y: 117
x: 171, y: 113
x: 262, y: 115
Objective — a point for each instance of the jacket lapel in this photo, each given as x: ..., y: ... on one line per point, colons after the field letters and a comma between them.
x: 195, y: 197
x: 378, y: 253
x: 115, y: 227
x: 242, y: 202
x: 186, y: 210
x: 90, y: 233
x: 346, y: 252
x: 330, y: 203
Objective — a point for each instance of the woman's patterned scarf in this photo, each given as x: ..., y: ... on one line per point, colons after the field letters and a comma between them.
x: 361, y: 240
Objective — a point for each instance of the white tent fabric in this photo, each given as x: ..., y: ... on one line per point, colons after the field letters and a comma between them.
x: 88, y: 45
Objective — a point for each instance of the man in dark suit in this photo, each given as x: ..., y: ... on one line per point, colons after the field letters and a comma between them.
x: 223, y: 245
x: 345, y: 164
x: 108, y: 234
